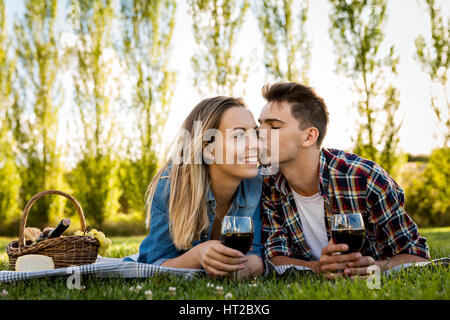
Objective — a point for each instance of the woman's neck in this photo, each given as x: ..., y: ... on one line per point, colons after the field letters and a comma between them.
x: 223, y: 187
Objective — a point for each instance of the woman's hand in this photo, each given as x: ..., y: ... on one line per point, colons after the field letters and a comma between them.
x: 219, y: 260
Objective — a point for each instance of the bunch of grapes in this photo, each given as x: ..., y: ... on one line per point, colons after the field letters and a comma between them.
x: 105, y: 242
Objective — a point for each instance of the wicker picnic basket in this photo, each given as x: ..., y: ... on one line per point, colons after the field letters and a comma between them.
x: 65, y: 251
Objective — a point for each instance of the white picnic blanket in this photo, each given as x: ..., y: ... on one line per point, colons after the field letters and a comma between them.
x: 104, y: 268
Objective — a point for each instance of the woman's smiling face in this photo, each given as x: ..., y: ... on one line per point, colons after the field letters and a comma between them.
x: 235, y: 148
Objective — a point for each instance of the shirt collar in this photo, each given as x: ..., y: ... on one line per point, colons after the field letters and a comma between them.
x: 324, y: 172
x: 281, y: 183
x: 239, y: 200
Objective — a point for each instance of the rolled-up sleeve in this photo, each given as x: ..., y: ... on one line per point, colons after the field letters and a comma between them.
x: 395, y: 232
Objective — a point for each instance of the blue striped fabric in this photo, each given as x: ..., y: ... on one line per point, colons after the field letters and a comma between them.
x: 103, y: 268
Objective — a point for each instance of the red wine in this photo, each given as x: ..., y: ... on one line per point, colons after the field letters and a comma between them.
x: 239, y: 241
x: 353, y: 238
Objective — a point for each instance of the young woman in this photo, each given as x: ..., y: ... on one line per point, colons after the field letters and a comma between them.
x: 212, y: 172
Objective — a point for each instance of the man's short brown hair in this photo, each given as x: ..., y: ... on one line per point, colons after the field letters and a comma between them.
x: 307, y: 107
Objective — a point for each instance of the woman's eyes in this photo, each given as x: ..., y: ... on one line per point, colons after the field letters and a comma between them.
x: 242, y: 134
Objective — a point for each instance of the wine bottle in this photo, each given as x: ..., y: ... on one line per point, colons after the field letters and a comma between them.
x: 60, y: 228
x: 44, y: 234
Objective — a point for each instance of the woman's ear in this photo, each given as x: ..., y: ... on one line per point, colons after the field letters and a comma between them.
x: 310, y: 136
x: 209, y: 153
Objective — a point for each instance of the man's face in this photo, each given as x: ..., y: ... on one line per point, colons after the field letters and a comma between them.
x: 282, y: 130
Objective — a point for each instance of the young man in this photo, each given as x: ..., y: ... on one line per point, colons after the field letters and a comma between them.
x: 313, y: 183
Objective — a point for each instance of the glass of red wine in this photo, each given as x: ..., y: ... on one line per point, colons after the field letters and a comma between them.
x: 348, y: 229
x: 237, y: 233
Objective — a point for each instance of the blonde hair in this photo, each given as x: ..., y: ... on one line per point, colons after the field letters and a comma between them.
x: 189, y: 180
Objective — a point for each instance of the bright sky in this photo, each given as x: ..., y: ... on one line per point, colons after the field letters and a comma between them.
x: 407, y: 19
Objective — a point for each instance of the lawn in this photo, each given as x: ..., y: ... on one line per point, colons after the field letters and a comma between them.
x: 410, y: 284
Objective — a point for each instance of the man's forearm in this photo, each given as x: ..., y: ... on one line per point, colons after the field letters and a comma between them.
x: 398, y: 260
x: 283, y: 260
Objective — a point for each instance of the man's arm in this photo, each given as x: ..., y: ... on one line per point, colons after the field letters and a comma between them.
x: 394, y: 230
x: 397, y: 235
x: 360, y: 267
x: 398, y: 260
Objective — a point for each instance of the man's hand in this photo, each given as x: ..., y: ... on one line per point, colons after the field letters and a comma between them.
x: 334, y: 260
x: 359, y: 268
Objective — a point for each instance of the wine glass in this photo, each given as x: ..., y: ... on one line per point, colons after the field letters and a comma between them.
x: 348, y: 229
x: 237, y: 233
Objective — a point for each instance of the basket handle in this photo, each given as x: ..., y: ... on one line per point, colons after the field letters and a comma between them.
x: 25, y: 212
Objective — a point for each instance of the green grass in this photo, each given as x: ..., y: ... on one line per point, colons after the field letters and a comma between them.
x: 410, y: 284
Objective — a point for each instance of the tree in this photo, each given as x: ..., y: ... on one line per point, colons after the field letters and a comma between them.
x: 428, y: 194
x: 357, y: 33
x: 95, y: 179
x: 435, y: 61
x: 9, y: 174
x: 36, y: 112
x: 147, y: 29
x: 216, y: 24
x: 287, y: 53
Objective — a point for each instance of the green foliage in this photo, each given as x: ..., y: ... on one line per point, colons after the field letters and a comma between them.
x: 112, y: 171
x: 95, y: 181
x: 96, y: 187
x: 121, y: 224
x: 216, y: 24
x: 435, y: 61
x: 147, y: 29
x: 10, y: 181
x: 357, y: 33
x: 134, y: 178
x: 287, y: 53
x: 92, y: 23
x: 429, y: 193
x: 39, y: 61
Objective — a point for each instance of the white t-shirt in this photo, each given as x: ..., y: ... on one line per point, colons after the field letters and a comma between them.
x: 312, y: 216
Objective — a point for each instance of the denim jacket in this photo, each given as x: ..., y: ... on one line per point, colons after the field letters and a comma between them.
x: 158, y: 246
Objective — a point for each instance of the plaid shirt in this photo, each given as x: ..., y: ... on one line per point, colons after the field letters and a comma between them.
x: 347, y: 183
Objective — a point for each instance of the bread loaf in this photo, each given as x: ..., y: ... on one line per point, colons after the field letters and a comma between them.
x: 32, y: 234
x: 34, y: 262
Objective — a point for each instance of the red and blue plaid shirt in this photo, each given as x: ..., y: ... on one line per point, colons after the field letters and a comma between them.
x: 348, y: 184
